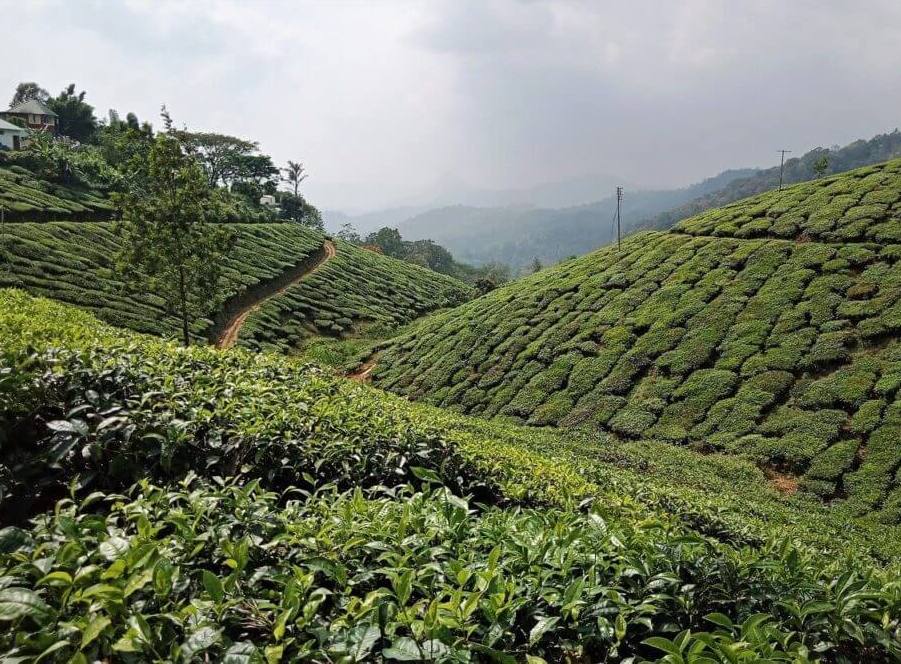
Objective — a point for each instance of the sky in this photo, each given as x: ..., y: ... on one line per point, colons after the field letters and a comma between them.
x: 401, y: 102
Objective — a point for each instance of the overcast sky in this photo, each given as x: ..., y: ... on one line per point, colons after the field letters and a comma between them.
x: 389, y: 102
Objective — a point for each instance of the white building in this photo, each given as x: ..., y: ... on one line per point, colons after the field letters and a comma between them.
x: 11, y: 136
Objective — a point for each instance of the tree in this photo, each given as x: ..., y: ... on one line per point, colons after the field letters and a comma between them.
x: 171, y: 243
x: 220, y: 155
x: 389, y: 241
x: 349, y: 233
x: 27, y: 91
x: 536, y: 266
x: 294, y: 175
x: 297, y: 209
x: 821, y: 165
x: 76, y: 117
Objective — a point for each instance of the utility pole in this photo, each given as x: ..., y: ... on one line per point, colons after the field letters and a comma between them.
x: 782, y: 167
x: 619, y: 233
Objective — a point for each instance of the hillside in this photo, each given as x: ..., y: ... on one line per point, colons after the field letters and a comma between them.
x: 23, y: 196
x: 283, y: 514
x: 74, y: 263
x: 767, y: 330
x: 800, y: 169
x: 516, y: 235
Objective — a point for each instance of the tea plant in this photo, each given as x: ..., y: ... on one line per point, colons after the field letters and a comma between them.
x: 778, y: 347
x: 73, y: 262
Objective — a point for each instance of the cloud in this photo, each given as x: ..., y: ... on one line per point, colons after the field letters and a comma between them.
x: 390, y: 102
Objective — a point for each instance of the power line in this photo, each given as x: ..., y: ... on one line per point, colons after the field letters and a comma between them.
x: 782, y: 167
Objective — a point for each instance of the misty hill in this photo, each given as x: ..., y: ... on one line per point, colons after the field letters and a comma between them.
x: 516, y: 235
x: 859, y: 153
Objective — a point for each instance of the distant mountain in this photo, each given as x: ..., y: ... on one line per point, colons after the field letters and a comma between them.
x: 859, y: 153
x: 517, y: 235
x: 452, y: 191
x: 370, y: 221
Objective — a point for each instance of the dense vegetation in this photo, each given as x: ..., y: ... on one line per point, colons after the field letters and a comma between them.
x: 357, y: 288
x: 282, y: 514
x: 26, y: 196
x: 74, y: 262
x: 717, y: 335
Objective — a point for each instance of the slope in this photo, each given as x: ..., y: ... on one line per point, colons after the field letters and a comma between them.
x: 74, y: 262
x: 24, y: 196
x: 515, y: 235
x: 767, y: 330
x: 240, y: 540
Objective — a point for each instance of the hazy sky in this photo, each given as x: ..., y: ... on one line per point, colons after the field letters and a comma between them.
x: 388, y: 102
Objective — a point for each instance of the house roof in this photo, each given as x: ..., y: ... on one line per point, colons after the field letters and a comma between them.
x: 34, y: 106
x: 9, y: 126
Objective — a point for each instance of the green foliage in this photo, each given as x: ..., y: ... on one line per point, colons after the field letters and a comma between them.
x: 765, y: 348
x: 75, y: 116
x: 171, y: 244
x: 24, y: 196
x: 290, y: 515
x: 354, y: 288
x: 73, y: 262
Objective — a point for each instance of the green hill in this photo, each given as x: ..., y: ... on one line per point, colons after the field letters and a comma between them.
x: 281, y: 514
x: 23, y: 196
x: 74, y: 263
x: 767, y: 330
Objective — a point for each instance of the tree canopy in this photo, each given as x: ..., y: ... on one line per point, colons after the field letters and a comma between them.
x: 171, y: 245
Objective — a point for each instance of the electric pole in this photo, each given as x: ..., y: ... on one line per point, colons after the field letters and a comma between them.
x: 782, y: 167
x: 619, y: 233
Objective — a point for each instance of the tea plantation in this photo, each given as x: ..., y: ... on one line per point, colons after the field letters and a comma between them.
x: 353, y: 288
x: 74, y: 262
x: 198, y: 505
x: 767, y: 330
x: 23, y: 196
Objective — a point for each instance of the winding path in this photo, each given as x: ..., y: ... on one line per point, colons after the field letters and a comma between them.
x: 227, y: 325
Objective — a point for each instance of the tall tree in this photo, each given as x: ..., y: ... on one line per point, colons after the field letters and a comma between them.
x: 172, y: 245
x: 222, y: 157
x: 294, y: 175
x: 27, y: 91
x: 76, y: 117
x: 389, y: 241
x: 821, y: 165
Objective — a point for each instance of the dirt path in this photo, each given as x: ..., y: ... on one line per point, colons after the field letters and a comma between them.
x: 363, y: 372
x: 227, y: 325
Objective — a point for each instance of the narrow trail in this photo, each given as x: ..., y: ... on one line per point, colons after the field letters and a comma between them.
x: 364, y: 371
x: 228, y: 322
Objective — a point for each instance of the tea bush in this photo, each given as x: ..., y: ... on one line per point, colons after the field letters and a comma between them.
x: 283, y: 514
x: 74, y: 263
x: 762, y: 344
x: 26, y: 197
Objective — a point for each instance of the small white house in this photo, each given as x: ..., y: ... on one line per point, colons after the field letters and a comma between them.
x: 11, y: 136
x: 268, y: 200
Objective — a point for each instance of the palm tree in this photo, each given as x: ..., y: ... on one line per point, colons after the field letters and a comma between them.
x: 294, y: 175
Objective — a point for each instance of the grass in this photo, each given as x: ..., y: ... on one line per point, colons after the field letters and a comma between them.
x: 73, y: 262
x: 737, y: 334
x: 196, y: 504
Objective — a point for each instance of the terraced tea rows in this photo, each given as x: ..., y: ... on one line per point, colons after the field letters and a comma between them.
x: 283, y: 514
x: 354, y: 287
x: 74, y: 263
x: 782, y: 351
x: 25, y: 197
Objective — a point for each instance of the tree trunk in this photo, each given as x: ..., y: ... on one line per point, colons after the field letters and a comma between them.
x: 183, y: 296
